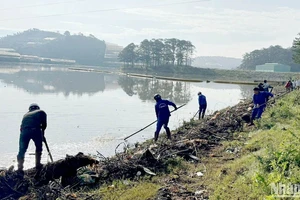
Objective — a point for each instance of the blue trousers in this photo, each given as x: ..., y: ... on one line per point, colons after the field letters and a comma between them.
x: 257, y: 112
x: 30, y: 134
x: 161, y: 123
x: 202, y: 109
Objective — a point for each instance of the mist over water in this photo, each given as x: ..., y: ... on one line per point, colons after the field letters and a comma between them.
x: 89, y: 112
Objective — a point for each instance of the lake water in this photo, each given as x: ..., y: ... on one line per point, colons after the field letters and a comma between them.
x: 89, y: 112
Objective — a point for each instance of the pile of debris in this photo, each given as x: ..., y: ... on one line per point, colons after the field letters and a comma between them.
x: 13, y: 185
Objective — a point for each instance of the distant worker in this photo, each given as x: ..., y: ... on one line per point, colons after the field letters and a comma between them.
x: 288, y: 86
x: 294, y: 85
x: 202, y: 105
x: 163, y: 114
x: 33, y: 126
x: 260, y: 103
x: 298, y: 84
x: 261, y: 87
x: 266, y: 86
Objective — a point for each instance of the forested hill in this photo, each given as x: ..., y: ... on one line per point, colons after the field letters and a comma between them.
x: 86, y: 50
x: 272, y: 54
x: 216, y: 62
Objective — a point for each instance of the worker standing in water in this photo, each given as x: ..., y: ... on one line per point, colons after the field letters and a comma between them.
x: 163, y: 115
x: 202, y: 105
x: 33, y: 126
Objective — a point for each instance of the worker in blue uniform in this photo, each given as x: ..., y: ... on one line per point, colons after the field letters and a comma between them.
x: 163, y: 115
x: 202, y: 105
x: 260, y: 99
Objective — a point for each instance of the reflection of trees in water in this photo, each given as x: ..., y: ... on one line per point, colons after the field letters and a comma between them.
x: 178, y: 92
x: 67, y: 82
x: 247, y: 91
x: 127, y: 85
x: 182, y: 92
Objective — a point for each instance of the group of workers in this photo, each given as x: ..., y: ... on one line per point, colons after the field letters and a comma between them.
x: 292, y: 85
x: 34, y: 121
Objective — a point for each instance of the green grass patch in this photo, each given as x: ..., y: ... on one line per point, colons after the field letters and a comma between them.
x: 270, y: 156
x: 127, y: 190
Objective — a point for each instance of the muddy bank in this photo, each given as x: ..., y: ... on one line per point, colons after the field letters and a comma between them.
x: 65, y: 178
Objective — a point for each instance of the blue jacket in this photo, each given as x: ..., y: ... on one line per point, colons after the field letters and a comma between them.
x: 261, y: 98
x: 202, y: 100
x: 162, y: 109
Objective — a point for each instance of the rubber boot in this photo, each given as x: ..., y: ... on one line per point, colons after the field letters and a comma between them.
x: 20, y: 164
x: 20, y: 167
x: 38, y: 156
x: 251, y: 122
x: 38, y: 165
x: 168, y: 133
x: 156, y: 136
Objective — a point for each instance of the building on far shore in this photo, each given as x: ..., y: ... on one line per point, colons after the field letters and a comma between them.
x: 112, y: 53
x: 10, y: 55
x: 273, y: 67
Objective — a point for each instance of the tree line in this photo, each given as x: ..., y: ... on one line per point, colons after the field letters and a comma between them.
x: 296, y: 49
x: 158, y: 52
x: 274, y: 54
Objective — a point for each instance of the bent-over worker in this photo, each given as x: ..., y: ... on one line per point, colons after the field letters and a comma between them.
x: 33, y: 126
x: 163, y: 114
x: 260, y: 103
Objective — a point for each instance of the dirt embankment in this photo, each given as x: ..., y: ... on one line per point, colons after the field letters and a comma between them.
x: 192, y: 141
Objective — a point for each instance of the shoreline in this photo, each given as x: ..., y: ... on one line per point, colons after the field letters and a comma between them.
x: 149, y: 76
x: 194, y: 141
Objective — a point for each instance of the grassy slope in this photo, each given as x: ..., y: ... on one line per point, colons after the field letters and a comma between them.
x: 270, y: 154
x: 242, y: 168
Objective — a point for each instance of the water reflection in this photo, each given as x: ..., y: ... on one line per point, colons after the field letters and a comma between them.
x: 67, y: 82
x: 247, y: 91
x: 178, y: 92
x: 108, y: 106
x: 79, y: 83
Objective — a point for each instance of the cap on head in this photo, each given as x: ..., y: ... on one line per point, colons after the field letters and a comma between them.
x: 34, y: 106
x: 256, y: 89
x: 157, y: 97
x: 199, y: 93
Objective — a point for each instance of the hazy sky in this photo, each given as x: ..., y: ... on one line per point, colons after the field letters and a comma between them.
x: 215, y: 27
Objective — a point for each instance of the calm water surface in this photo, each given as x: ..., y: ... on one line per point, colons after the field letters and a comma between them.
x: 89, y: 112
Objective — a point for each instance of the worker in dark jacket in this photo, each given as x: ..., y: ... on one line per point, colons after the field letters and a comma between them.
x: 260, y: 103
x: 261, y: 87
x: 163, y: 114
x: 202, y: 105
x: 33, y: 126
x: 266, y: 86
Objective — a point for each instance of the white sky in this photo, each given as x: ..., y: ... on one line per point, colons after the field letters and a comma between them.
x: 215, y: 27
